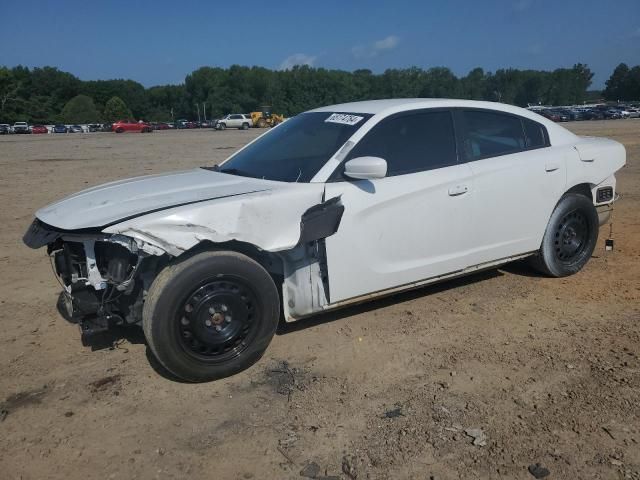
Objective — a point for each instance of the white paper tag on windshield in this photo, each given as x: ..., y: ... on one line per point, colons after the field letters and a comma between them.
x: 343, y: 118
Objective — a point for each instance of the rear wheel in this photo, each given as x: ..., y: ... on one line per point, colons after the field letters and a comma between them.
x: 119, y: 130
x: 211, y: 315
x: 245, y: 126
x: 570, y: 237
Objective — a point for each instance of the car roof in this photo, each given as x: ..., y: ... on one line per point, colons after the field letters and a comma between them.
x: 382, y: 108
x: 399, y: 104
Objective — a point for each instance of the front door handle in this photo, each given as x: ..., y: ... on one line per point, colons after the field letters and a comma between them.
x: 551, y: 167
x: 458, y: 190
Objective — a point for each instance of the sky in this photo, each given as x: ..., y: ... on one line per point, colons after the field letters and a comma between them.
x: 159, y: 42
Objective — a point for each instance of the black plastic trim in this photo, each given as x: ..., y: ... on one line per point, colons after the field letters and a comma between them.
x: 321, y: 221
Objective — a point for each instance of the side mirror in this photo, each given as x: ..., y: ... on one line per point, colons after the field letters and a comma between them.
x: 366, y: 168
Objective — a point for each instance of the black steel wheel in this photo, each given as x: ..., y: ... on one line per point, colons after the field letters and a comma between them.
x: 570, y: 237
x: 218, y: 320
x: 210, y: 315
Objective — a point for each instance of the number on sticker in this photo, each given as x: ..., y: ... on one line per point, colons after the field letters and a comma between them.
x: 343, y: 118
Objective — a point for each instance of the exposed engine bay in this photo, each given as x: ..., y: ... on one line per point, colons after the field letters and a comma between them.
x: 104, y: 277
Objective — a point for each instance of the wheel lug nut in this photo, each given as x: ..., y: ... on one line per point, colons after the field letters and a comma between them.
x: 224, y: 308
x: 218, y: 328
x: 212, y: 310
x: 207, y: 323
x: 227, y: 319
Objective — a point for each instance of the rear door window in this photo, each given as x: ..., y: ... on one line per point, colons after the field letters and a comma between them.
x: 490, y: 134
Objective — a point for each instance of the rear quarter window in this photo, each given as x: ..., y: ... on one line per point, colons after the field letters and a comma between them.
x: 535, y: 133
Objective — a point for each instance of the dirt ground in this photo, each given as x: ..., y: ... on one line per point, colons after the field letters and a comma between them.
x: 545, y: 370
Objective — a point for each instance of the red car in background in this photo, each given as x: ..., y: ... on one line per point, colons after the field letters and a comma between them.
x: 39, y: 129
x: 130, y: 126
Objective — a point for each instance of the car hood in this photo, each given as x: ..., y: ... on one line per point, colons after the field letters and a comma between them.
x: 125, y: 199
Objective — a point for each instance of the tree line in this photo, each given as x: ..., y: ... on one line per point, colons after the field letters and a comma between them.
x: 624, y: 83
x: 48, y: 95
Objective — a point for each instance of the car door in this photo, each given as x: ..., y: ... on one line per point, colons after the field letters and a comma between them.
x: 235, y: 121
x: 518, y: 179
x: 411, y: 225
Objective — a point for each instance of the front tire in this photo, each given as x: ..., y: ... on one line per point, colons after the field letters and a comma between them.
x: 570, y: 237
x: 222, y: 126
x: 211, y: 315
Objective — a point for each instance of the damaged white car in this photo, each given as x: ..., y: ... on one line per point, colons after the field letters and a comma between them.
x: 338, y: 205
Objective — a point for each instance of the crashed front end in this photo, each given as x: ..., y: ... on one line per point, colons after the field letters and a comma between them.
x: 104, y: 276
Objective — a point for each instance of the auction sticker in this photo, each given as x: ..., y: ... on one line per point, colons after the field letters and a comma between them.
x: 344, y: 118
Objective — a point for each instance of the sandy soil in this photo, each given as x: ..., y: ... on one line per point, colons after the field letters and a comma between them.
x: 547, y: 369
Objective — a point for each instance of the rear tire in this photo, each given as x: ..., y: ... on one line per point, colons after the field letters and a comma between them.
x: 211, y: 315
x: 119, y: 130
x: 570, y: 237
x: 245, y: 126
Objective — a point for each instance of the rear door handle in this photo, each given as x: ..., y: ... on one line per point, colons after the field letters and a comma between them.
x: 551, y: 167
x: 458, y: 190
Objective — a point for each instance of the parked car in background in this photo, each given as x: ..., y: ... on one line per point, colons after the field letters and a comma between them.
x: 611, y: 114
x: 94, y: 127
x: 624, y: 113
x: 561, y: 115
x: 234, y: 120
x: 339, y: 205
x: 21, y: 127
x: 634, y: 112
x: 122, y: 126
x: 548, y: 114
x: 181, y: 124
x: 75, y: 129
x: 160, y: 126
x: 5, y: 128
x: 39, y: 129
x: 60, y: 128
x: 593, y: 114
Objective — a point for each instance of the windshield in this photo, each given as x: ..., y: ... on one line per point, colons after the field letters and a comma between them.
x: 297, y: 149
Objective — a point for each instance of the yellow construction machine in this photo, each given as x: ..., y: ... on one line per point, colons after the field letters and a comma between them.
x: 265, y: 118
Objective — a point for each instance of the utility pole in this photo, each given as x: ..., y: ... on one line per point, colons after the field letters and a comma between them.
x: 198, y: 107
x: 204, y: 107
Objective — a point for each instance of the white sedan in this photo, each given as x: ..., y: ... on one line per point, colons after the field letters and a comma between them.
x: 338, y: 205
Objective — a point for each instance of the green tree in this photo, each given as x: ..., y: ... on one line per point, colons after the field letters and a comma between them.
x: 615, y: 86
x: 115, y: 109
x: 80, y: 109
x: 9, y: 87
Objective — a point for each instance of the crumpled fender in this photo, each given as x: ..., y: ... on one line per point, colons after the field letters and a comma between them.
x: 270, y: 220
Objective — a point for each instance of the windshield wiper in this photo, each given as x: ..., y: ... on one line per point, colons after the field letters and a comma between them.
x: 230, y: 171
